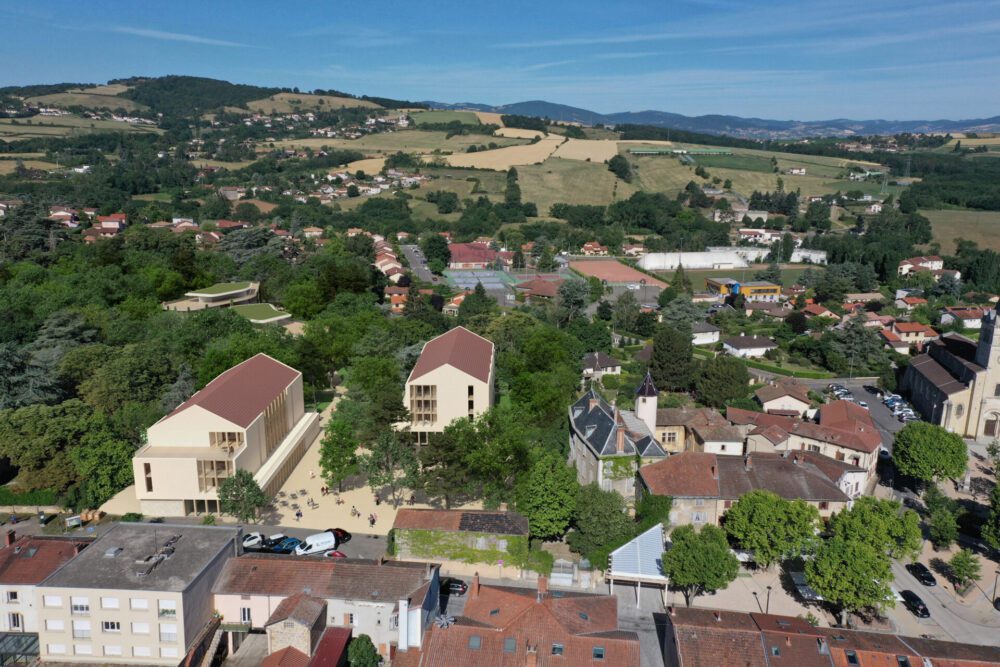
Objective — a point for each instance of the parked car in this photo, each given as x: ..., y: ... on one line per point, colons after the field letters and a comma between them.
x: 316, y: 543
x: 863, y: 404
x: 285, y: 546
x: 452, y: 586
x: 884, y: 454
x: 996, y: 604
x: 872, y: 389
x: 915, y: 604
x: 341, y: 535
x: 334, y: 554
x: 922, y: 574
x: 259, y: 541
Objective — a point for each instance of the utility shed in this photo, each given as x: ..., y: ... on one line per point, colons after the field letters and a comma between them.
x: 639, y: 561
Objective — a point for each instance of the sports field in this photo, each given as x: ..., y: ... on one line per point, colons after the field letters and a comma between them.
x: 789, y: 274
x: 464, y: 117
x: 983, y: 227
x: 613, y: 271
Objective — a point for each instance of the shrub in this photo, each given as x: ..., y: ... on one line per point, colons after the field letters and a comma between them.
x: 131, y: 517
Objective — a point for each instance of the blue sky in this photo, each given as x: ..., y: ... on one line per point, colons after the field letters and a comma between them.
x: 786, y: 59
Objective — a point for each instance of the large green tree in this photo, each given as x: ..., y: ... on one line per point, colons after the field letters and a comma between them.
x: 391, y: 465
x: 361, y: 652
x: 991, y: 529
x: 547, y: 496
x: 770, y: 527
x: 600, y: 524
x: 699, y: 561
x: 964, y: 567
x: 672, y: 362
x: 723, y: 379
x: 338, y: 452
x: 928, y: 452
x: 241, y: 497
x: 880, y: 524
x: 851, y: 574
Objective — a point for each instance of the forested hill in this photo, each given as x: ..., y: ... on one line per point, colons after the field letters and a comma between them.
x: 191, y: 95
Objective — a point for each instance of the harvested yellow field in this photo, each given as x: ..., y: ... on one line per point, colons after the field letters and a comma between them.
x: 571, y: 181
x: 8, y: 166
x: 518, y: 133
x: 505, y: 158
x: 371, y: 165
x: 219, y: 164
x: 85, y: 99
x: 408, y: 141
x: 644, y: 142
x: 489, y: 118
x: 110, y: 89
x: 587, y: 149
x: 295, y: 102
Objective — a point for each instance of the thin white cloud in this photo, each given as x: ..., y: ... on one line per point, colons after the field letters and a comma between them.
x: 173, y: 36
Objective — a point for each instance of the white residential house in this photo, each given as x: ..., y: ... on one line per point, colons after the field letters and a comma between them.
x: 748, y: 346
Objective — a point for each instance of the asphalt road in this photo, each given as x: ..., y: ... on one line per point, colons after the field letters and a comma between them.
x: 418, y: 265
x: 360, y: 546
x: 973, y: 627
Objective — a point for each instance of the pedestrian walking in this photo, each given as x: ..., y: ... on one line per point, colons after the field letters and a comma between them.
x: 298, y: 515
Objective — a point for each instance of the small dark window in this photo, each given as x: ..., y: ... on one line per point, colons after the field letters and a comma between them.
x: 852, y: 658
x: 557, y: 649
x: 584, y: 616
x: 475, y: 641
x: 996, y: 390
x: 472, y: 390
x: 598, y: 653
x: 775, y: 651
x: 509, y: 645
x: 824, y: 505
x: 903, y: 661
x: 494, y: 612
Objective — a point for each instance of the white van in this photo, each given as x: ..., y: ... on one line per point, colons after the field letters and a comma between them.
x: 316, y: 544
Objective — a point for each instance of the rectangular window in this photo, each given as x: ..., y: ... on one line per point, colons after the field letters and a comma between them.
x: 81, y: 629
x: 472, y: 391
x: 699, y: 502
x: 697, y: 517
x: 148, y: 473
x: 139, y: 603
x: 55, y: 625
x: 840, y: 456
x: 475, y: 642
x: 109, y: 603
x: 852, y: 658
x: 824, y: 505
x: 903, y: 661
x: 672, y: 437
x: 598, y: 653
x: 15, y: 622
x: 350, y: 619
x: 168, y: 632
x: 423, y: 404
x: 52, y: 601
x: 80, y: 605
x: 212, y: 473
x: 727, y: 504
x: 83, y: 649
x: 245, y: 615
x: 509, y: 645
x: 168, y: 652
x: 996, y: 390
x: 168, y: 608
x: 56, y: 649
x: 141, y: 651
x: 111, y: 626
x: 140, y: 628
x: 557, y: 649
x: 112, y: 650
x: 11, y: 597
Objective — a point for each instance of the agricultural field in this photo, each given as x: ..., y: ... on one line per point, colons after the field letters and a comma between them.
x: 408, y: 141
x: 505, y: 158
x: 371, y: 165
x: 489, y: 118
x: 99, y: 97
x: 12, y: 129
x: 153, y: 196
x: 741, y: 162
x: 8, y: 166
x: 983, y: 227
x: 518, y: 133
x: 570, y: 181
x: 219, y: 164
x: 464, y: 117
x: 295, y: 102
x: 992, y: 143
x: 587, y: 149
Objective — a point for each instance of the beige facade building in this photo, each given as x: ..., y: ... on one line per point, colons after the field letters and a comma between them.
x: 252, y: 417
x: 956, y: 382
x: 452, y: 379
x: 140, y: 594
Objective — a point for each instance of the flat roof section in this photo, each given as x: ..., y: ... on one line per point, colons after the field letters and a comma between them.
x: 220, y: 289
x: 144, y: 556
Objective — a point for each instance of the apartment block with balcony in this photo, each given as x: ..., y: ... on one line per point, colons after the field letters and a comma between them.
x: 140, y: 594
x: 452, y: 379
x: 252, y: 417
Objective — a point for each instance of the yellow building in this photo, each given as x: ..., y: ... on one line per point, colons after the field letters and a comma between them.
x: 754, y: 290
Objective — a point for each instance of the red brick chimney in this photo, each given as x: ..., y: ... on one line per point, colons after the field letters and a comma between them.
x: 788, y: 641
x: 531, y: 658
x: 10, y: 538
x: 543, y: 586
x: 748, y: 463
x: 620, y: 440
x: 718, y: 616
x: 474, y: 593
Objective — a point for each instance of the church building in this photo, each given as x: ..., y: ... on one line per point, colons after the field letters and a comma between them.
x: 956, y: 383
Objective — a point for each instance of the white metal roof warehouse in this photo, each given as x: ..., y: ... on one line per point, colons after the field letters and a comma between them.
x: 668, y: 261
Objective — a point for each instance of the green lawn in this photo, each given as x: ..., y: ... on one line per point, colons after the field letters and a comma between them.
x: 258, y: 311
x: 221, y: 288
x: 741, y: 162
x: 464, y: 117
x: 983, y: 227
x: 789, y: 274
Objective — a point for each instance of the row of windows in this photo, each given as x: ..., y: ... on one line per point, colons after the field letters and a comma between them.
x: 110, y: 650
x: 82, y: 629
x: 510, y: 646
x: 81, y: 605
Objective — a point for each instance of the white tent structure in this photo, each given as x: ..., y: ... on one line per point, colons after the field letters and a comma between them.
x: 639, y: 562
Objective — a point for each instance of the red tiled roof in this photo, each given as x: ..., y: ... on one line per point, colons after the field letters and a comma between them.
x: 913, y: 327
x: 300, y: 607
x: 31, y: 559
x: 242, y: 393
x: 459, y: 348
x: 541, y: 287
x: 495, y: 521
x: 970, y: 313
x: 331, y: 647
x: 286, y: 657
x: 688, y: 474
x: 471, y: 253
x: 818, y: 311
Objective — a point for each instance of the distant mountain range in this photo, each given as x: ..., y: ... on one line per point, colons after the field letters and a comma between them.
x: 735, y: 126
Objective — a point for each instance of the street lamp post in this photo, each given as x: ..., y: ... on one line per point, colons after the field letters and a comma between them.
x: 768, y: 607
x: 757, y: 600
x: 995, y: 585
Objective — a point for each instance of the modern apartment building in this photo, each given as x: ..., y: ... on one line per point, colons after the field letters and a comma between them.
x: 252, y: 417
x: 140, y: 594
x: 452, y: 379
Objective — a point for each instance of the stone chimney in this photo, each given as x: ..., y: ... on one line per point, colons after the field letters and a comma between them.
x: 715, y: 472
x: 592, y: 403
x: 10, y: 538
x: 620, y: 440
x: 474, y: 592
x: 718, y: 616
x: 788, y: 641
x: 531, y: 658
x: 543, y: 587
x: 748, y: 463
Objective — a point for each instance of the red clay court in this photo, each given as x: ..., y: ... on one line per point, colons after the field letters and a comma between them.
x: 613, y: 271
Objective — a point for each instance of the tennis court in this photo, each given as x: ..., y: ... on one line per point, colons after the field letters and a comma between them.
x: 491, y: 280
